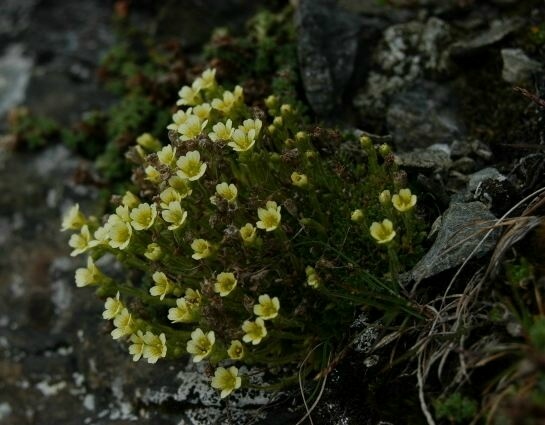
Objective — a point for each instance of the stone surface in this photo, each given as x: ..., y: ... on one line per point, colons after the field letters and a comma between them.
x: 498, y: 30
x: 517, y: 67
x: 424, y: 159
x: 15, y: 68
x: 327, y: 46
x: 480, y: 176
x: 408, y: 51
x: 462, y: 228
x: 424, y: 114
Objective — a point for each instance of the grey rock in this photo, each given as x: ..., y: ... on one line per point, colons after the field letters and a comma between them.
x: 464, y: 165
x: 327, y: 46
x: 408, y: 52
x: 15, y: 17
x: 498, y: 30
x: 422, y: 115
x: 463, y: 227
x: 374, y: 8
x: 424, y: 159
x: 480, y: 176
x: 460, y: 148
x: 15, y: 70
x: 517, y: 67
x: 193, y: 23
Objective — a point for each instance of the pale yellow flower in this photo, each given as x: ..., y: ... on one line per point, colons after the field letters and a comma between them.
x: 175, y: 215
x: 80, y: 242
x: 207, y: 78
x: 269, y: 217
x: 169, y: 195
x: 189, y: 95
x: 226, y: 103
x: 383, y: 232
x: 298, y: 179
x: 143, y: 216
x: 124, y: 324
x: 193, y: 298
x: 73, y: 219
x: 225, y: 283
x: 155, y: 347
x: 184, y: 312
x: 312, y: 277
x: 202, y: 249
x: 200, y: 344
x: 202, y: 111
x: 384, y: 197
x: 123, y: 212
x: 119, y: 232
x: 163, y: 285
x: 191, y: 128
x: 101, y: 237
x: 235, y: 350
x: 357, y: 216
x: 267, y: 308
x: 248, y: 233
x: 167, y: 155
x: 228, y: 192
x: 181, y: 185
x: 136, y: 349
x: 130, y: 200
x: 89, y: 275
x: 190, y: 166
x: 221, y: 131
x: 147, y: 141
x: 179, y: 118
x: 153, y: 252
x: 404, y: 200
x: 112, y: 307
x: 250, y: 124
x: 242, y: 140
x: 226, y: 380
x: 254, y: 331
x: 152, y: 174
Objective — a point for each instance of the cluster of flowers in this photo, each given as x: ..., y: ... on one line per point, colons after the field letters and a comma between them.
x: 384, y: 232
x: 212, y: 229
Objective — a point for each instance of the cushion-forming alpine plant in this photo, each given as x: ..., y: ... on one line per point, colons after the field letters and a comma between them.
x: 252, y: 247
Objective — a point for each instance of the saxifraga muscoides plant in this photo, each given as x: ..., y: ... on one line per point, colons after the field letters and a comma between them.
x: 252, y: 248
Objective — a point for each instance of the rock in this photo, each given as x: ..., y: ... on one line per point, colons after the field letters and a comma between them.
x: 424, y: 114
x: 464, y: 165
x: 499, y: 29
x: 193, y: 23
x: 383, y: 10
x: 15, y: 17
x: 408, y: 52
x: 424, y: 159
x: 463, y: 226
x: 15, y: 68
x: 327, y: 46
x: 517, y: 67
x: 477, y: 178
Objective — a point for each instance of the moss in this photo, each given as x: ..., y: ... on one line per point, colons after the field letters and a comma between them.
x: 456, y: 408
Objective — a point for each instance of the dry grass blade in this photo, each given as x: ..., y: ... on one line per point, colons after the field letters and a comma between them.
x: 518, y: 230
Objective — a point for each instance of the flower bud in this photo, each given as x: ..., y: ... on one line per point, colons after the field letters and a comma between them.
x: 271, y: 101
x: 357, y: 216
x: 384, y: 149
x: 384, y: 197
x: 285, y: 109
x: 366, y: 142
